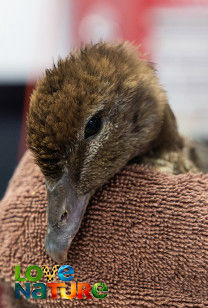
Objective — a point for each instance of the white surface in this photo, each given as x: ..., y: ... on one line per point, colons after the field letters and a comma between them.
x: 180, y: 49
x: 33, y: 33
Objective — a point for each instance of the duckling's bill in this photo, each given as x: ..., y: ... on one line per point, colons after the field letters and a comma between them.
x: 65, y: 211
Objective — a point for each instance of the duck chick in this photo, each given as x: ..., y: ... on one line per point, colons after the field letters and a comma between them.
x: 97, y: 110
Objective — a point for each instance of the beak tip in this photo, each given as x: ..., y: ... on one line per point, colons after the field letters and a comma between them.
x: 55, y: 251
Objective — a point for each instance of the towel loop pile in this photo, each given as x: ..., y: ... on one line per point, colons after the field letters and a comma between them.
x: 145, y: 234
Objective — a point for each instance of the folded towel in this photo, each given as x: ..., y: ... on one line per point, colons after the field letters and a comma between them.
x: 144, y: 234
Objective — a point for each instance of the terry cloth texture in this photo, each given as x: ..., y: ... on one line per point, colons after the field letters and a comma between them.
x: 145, y: 234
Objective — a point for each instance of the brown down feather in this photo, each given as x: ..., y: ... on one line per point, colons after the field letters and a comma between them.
x: 116, y: 81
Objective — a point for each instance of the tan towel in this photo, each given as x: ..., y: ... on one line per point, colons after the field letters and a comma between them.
x: 145, y: 235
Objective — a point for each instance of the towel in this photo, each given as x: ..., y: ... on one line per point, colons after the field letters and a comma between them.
x: 144, y: 234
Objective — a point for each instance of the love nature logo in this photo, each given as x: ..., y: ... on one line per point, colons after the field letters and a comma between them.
x: 30, y: 287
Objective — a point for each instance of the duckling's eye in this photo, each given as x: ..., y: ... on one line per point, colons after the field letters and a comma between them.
x: 93, y: 126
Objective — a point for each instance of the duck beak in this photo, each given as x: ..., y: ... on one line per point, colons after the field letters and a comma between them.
x: 65, y: 211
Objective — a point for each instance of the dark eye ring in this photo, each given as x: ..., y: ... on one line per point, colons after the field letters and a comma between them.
x: 93, y: 126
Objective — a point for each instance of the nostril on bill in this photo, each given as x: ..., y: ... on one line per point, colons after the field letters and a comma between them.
x: 64, y: 217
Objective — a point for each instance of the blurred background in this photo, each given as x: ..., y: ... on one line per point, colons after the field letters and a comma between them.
x: 33, y: 34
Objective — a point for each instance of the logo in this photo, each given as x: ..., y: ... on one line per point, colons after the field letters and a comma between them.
x: 29, y: 286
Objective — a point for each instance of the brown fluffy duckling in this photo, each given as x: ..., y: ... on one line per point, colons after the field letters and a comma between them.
x: 97, y: 110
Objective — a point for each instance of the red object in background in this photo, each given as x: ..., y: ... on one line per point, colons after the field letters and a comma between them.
x: 112, y: 19
x: 127, y: 17
x: 130, y: 18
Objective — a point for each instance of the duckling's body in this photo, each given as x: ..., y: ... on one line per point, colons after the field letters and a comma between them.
x: 175, y: 162
x: 99, y: 109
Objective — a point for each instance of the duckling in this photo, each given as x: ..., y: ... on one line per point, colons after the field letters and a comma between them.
x: 94, y: 112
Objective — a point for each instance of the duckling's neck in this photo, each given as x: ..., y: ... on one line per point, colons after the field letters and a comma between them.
x: 168, y: 152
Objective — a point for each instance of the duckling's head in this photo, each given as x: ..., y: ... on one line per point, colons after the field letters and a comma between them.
x: 89, y: 116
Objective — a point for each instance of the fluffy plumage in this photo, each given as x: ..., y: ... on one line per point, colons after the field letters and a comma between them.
x: 104, y: 77
x: 137, y: 123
